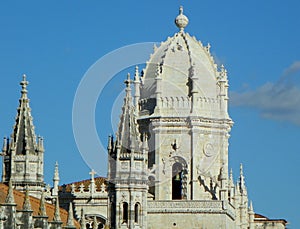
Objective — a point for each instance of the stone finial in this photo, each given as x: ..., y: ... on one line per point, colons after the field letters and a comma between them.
x: 181, y: 20
x: 242, y: 185
x: 128, y: 82
x: 57, y: 217
x: 136, y: 75
x: 55, y: 180
x: 82, y: 219
x: 109, y: 145
x: 24, y: 84
x: 251, y: 208
x: 26, y: 204
x: 42, y: 208
x: 223, y: 72
x: 4, y: 148
x: 70, y: 222
x: 10, y: 195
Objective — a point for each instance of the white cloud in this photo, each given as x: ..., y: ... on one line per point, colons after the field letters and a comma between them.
x: 278, y: 101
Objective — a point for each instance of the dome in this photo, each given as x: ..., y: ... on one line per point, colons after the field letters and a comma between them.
x: 179, y: 67
x: 175, y: 60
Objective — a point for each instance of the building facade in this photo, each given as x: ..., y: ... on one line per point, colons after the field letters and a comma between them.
x: 167, y: 163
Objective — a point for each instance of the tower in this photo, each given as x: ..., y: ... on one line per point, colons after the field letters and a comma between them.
x: 183, y: 110
x: 127, y: 172
x: 23, y: 153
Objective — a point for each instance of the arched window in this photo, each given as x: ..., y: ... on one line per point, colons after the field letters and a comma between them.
x: 136, y: 212
x: 177, y: 181
x: 125, y: 212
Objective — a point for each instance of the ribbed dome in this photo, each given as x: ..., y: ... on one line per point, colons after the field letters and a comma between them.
x: 176, y: 60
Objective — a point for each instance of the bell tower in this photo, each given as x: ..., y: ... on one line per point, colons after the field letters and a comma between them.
x: 23, y: 152
x: 184, y: 111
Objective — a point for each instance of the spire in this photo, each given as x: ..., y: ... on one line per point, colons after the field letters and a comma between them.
x: 55, y: 180
x: 82, y: 219
x: 57, y: 211
x: 10, y: 195
x: 70, y: 223
x: 128, y: 134
x: 181, y: 20
x: 42, y: 208
x: 27, y: 204
x: 136, y: 88
x: 242, y: 180
x: 23, y: 131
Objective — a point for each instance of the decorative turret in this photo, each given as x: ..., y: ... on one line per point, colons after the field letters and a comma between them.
x: 27, y: 170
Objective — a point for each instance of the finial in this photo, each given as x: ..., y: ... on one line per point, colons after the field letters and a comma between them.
x: 82, y: 219
x: 42, y: 209
x: 181, y: 20
x: 57, y: 211
x: 242, y: 180
x: 56, y: 172
x: 241, y: 169
x: 70, y: 216
x: 4, y: 148
x: 24, y: 84
x: 10, y: 195
x: 251, y: 207
x: 136, y: 75
x: 127, y: 83
x: 109, y: 145
x: 26, y: 204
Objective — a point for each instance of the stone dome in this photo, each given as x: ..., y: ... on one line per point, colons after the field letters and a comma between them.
x: 182, y: 74
x: 176, y: 60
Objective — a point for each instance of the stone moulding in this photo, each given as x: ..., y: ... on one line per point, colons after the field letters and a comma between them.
x: 200, y: 206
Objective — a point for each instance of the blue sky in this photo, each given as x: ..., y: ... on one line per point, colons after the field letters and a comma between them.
x: 56, y: 42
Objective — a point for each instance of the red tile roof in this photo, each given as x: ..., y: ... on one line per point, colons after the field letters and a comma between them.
x: 35, y: 204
